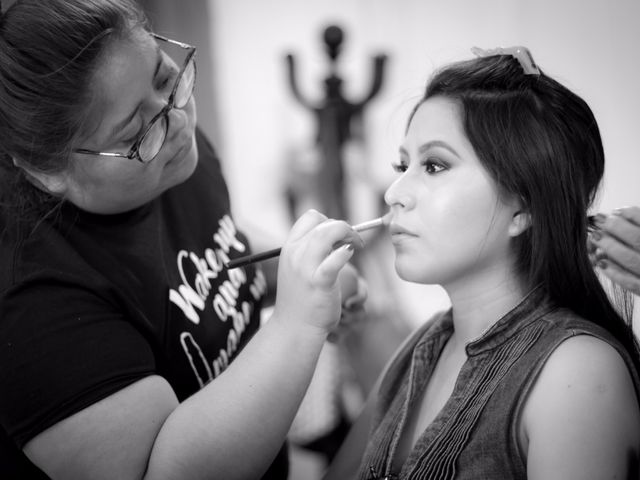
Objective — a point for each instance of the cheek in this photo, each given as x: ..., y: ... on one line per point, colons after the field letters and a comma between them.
x: 182, y: 169
x: 107, y: 174
x: 450, y: 214
x: 191, y: 117
x: 192, y: 112
x: 460, y: 223
x: 472, y: 207
x: 132, y: 181
x: 113, y: 188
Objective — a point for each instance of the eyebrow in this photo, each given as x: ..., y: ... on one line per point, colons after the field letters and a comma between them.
x: 121, y: 125
x: 433, y: 143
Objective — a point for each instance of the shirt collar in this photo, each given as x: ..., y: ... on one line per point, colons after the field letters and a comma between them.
x: 534, y: 305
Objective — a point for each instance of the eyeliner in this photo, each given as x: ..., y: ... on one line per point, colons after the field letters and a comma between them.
x: 258, y: 257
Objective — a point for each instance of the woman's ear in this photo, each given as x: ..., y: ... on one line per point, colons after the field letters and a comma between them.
x: 519, y: 223
x: 53, y: 183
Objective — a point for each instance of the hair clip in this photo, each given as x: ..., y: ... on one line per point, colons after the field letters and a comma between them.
x: 522, y: 54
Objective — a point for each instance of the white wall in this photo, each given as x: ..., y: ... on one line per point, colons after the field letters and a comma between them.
x: 591, y: 46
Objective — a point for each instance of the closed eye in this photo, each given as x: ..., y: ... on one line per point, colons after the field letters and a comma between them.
x: 164, y: 83
x: 130, y: 140
x: 167, y: 78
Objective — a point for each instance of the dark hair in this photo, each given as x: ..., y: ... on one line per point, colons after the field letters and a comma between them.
x: 541, y: 143
x: 49, y: 51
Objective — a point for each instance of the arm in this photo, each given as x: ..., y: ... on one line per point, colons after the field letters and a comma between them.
x: 235, y: 425
x: 581, y: 419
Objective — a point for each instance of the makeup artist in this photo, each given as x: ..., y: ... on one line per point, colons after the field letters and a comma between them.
x: 128, y: 350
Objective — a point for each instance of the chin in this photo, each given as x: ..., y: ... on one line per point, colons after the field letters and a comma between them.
x: 408, y: 272
x: 414, y: 271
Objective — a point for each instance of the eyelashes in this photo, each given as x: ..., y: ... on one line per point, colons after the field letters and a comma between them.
x: 134, y: 138
x: 164, y: 83
x: 434, y: 166
x: 399, y: 167
x: 169, y: 73
x: 430, y: 165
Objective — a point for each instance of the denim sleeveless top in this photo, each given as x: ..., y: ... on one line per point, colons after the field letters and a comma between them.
x: 475, y: 435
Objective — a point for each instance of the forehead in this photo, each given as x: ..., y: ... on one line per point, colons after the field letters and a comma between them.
x: 123, y: 60
x: 438, y: 119
x: 437, y: 116
x: 122, y: 77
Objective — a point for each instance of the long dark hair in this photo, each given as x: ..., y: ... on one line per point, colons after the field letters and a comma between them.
x: 540, y: 142
x: 49, y: 51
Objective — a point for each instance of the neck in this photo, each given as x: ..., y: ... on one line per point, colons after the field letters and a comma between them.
x: 478, y: 303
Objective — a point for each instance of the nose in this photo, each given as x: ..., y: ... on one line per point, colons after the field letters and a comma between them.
x: 399, y: 194
x: 179, y: 118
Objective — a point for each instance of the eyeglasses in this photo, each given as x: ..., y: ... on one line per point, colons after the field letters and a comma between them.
x: 149, y: 144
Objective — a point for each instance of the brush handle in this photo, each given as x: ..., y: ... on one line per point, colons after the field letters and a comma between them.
x: 258, y: 257
x: 375, y: 223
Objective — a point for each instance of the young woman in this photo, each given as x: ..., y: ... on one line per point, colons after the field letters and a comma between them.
x: 124, y: 339
x: 531, y: 373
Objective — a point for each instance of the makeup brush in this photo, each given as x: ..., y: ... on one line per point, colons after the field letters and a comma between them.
x: 258, y: 257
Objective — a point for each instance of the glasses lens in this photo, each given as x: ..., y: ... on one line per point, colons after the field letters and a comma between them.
x: 185, y: 87
x: 153, y: 140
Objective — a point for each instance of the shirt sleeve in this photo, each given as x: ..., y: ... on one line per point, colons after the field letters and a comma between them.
x: 62, y: 348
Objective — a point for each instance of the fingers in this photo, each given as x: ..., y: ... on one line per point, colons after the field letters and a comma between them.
x: 356, y: 301
x: 615, y: 247
x: 631, y: 214
x: 619, y: 275
x: 327, y: 272
x: 350, y: 322
x: 352, y: 314
x: 619, y: 240
x: 321, y: 239
x: 305, y: 223
x: 348, y: 281
x: 623, y: 224
x: 311, y: 259
x: 609, y: 248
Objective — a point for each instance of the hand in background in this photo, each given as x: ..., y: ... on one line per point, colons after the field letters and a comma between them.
x: 353, y: 289
x: 615, y: 248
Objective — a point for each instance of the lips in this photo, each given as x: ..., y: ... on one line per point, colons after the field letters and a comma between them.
x: 400, y: 234
x: 397, y: 230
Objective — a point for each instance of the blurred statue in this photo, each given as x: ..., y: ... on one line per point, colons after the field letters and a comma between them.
x: 338, y: 120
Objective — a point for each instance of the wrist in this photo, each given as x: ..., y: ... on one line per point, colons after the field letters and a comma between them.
x: 298, y: 331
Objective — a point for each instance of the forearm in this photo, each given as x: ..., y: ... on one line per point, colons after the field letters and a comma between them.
x: 235, y: 425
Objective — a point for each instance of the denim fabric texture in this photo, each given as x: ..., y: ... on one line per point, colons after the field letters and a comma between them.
x: 474, y: 436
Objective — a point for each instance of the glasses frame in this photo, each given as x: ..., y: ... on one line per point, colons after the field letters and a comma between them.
x: 164, y: 113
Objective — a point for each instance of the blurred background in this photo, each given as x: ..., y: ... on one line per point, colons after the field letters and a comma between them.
x: 326, y: 139
x: 267, y: 139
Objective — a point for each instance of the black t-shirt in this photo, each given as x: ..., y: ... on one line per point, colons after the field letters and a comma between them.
x: 92, y: 303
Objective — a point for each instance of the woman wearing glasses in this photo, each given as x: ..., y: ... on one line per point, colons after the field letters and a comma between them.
x: 124, y: 340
